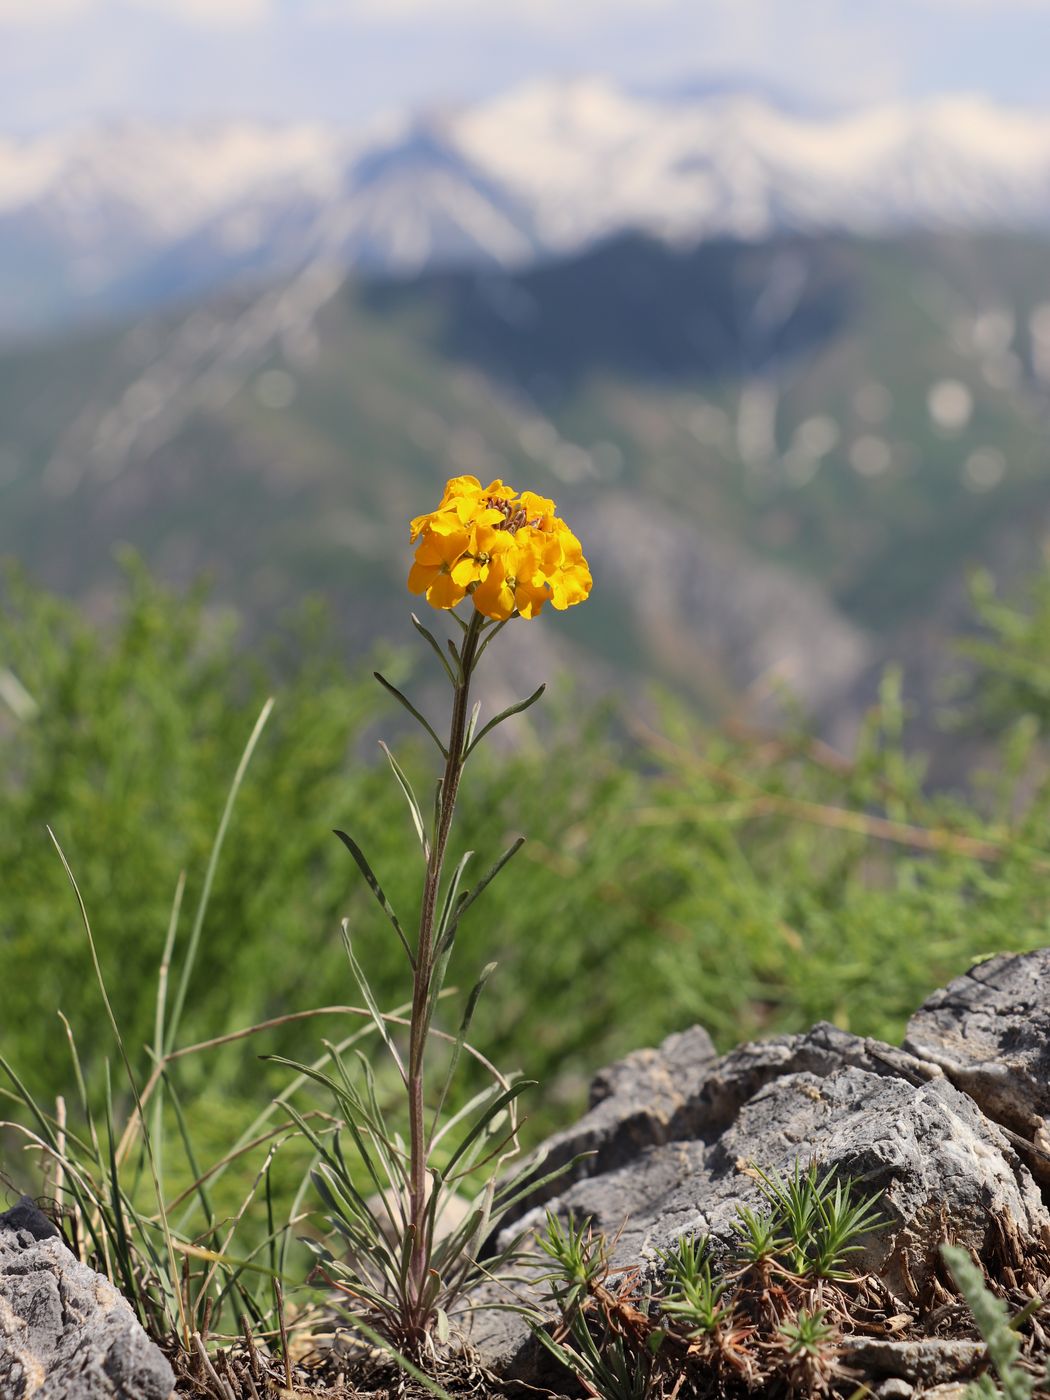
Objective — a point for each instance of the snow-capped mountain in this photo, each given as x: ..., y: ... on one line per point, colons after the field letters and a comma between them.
x: 93, y: 221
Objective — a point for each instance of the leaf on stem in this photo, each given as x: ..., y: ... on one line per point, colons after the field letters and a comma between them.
x: 472, y: 725
x: 370, y: 1001
x: 457, y: 1049
x: 404, y: 700
x: 377, y: 889
x: 494, y: 631
x: 446, y: 923
x: 526, y: 1184
x: 446, y: 936
x: 486, y: 1120
x: 488, y: 878
x: 410, y: 797
x: 433, y: 641
x: 517, y: 709
x: 438, y: 789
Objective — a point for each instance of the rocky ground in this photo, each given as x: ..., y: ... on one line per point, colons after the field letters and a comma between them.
x: 951, y: 1130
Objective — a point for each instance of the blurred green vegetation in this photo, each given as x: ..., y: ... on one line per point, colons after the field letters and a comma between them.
x: 672, y: 874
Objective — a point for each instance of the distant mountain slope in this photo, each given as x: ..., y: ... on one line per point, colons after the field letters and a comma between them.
x: 782, y: 457
x: 100, y: 221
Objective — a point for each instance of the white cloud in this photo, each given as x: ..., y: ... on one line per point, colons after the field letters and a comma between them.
x: 36, y: 12
x: 204, y: 13
x: 536, y: 14
x: 998, y: 5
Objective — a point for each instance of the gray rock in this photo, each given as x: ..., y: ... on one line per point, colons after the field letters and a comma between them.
x: 683, y: 1091
x: 989, y: 1031
x: 65, y: 1332
x: 27, y: 1215
x: 928, y: 1360
x: 895, y: 1389
x: 635, y: 1103
x: 677, y: 1155
x: 925, y: 1147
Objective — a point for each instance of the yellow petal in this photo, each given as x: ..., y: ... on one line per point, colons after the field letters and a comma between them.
x: 536, y: 506
x: 420, y: 577
x: 462, y: 486
x: 530, y: 598
x: 501, y: 490
x: 493, y: 597
x: 570, y: 586
x: 468, y: 571
x: 445, y: 592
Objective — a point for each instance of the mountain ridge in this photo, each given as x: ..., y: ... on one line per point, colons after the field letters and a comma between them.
x: 126, y: 216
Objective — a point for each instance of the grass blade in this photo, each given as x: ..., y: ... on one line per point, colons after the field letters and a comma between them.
x: 132, y: 1083
x: 209, y: 874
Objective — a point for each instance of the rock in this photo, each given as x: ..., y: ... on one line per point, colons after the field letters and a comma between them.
x: 926, y: 1148
x: 926, y: 1360
x: 989, y: 1031
x: 28, y: 1216
x: 65, y: 1332
x: 634, y: 1103
x: 684, y: 1091
x: 875, y: 1112
x: 676, y: 1154
x: 895, y: 1389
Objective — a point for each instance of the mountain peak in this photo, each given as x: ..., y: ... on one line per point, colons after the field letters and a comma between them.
x: 549, y: 167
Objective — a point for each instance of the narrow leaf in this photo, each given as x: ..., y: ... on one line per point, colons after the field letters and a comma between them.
x: 472, y: 724
x: 377, y: 889
x: 464, y: 1027
x: 410, y: 798
x: 425, y: 632
x: 451, y: 900
x: 370, y: 1001
x: 507, y: 1097
x: 517, y: 709
x: 209, y: 874
x: 487, y: 879
x: 404, y: 700
x: 524, y: 1184
x: 128, y: 1072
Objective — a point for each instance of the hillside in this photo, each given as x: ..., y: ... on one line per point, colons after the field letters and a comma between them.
x: 781, y: 457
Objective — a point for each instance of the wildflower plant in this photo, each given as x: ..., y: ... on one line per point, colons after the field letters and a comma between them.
x: 499, y: 556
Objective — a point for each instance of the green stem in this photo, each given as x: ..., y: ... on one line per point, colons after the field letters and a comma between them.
x: 424, y: 969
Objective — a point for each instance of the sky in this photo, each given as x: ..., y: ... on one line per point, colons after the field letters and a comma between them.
x: 67, y: 62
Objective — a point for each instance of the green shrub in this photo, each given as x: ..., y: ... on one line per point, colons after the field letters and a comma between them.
x: 754, y: 886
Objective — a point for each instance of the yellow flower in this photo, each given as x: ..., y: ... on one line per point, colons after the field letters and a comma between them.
x: 509, y: 553
x: 436, y: 556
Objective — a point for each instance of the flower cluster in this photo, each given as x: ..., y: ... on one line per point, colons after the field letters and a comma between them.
x: 510, y: 553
